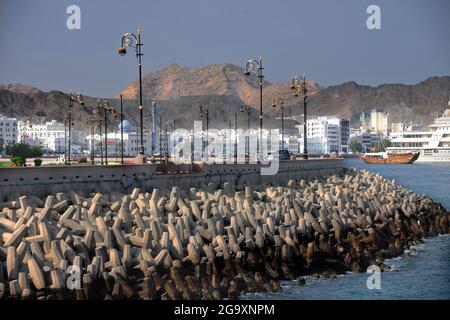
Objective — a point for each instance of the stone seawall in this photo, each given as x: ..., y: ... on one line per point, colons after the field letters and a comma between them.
x: 42, y: 181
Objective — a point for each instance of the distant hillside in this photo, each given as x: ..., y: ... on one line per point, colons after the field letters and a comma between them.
x: 422, y: 101
x: 223, y: 88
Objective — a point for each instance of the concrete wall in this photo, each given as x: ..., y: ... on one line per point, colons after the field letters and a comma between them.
x: 42, y: 181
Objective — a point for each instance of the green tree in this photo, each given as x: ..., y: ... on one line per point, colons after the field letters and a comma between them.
x: 356, y: 146
x: 382, y: 145
x: 1, y: 145
x: 23, y: 150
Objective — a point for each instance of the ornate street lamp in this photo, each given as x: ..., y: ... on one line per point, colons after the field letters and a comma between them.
x: 247, y: 138
x: 257, y: 65
x: 279, y: 102
x: 206, y: 114
x: 107, y: 109
x: 131, y: 40
x: 66, y: 124
x: 92, y: 122
x: 299, y: 86
x: 160, y: 137
x: 235, y: 134
x: 74, y: 96
x: 99, y: 115
x: 121, y: 130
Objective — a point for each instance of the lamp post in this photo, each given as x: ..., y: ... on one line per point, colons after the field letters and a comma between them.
x: 121, y: 130
x: 160, y: 136
x: 99, y: 115
x: 167, y: 140
x: 235, y: 134
x: 107, y: 109
x: 207, y: 134
x: 247, y: 138
x: 74, y: 96
x: 298, y: 85
x: 92, y: 119
x: 257, y: 65
x: 65, y: 138
x: 201, y: 133
x: 175, y: 136
x: 279, y: 101
x: 131, y: 40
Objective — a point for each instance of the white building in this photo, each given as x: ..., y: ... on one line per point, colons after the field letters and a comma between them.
x: 52, y: 136
x: 131, y: 142
x: 331, y: 134
x: 8, y: 130
x: 316, y: 146
x: 379, y: 121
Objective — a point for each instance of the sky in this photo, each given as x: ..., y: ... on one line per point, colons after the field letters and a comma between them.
x: 327, y: 39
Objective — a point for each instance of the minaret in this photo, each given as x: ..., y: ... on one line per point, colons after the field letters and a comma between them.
x: 154, y: 117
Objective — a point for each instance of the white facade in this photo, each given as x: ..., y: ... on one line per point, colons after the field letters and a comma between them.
x: 333, y: 130
x: 131, y: 142
x: 316, y: 146
x: 8, y: 130
x: 51, y: 136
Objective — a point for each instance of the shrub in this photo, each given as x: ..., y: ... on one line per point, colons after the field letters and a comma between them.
x: 18, y: 161
x: 23, y: 150
x: 37, y: 162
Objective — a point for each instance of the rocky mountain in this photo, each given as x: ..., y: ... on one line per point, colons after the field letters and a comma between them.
x: 420, y: 102
x: 20, y: 88
x: 223, y: 88
x: 175, y: 81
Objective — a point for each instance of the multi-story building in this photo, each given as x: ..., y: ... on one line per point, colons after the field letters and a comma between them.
x: 376, y: 121
x: 364, y: 120
x: 316, y: 146
x: 8, y: 130
x: 52, y: 136
x: 367, y: 139
x: 131, y: 142
x: 334, y: 130
x: 345, y: 135
x: 379, y: 121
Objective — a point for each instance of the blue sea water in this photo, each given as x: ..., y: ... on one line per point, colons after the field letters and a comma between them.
x: 421, y: 273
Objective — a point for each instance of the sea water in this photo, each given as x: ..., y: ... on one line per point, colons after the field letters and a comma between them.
x: 420, y: 273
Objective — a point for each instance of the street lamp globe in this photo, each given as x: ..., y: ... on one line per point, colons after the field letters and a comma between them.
x: 122, y: 51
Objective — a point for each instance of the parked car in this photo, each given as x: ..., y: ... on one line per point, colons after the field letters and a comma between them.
x: 282, y: 155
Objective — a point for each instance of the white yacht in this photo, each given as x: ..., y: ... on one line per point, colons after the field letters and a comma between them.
x: 433, y: 145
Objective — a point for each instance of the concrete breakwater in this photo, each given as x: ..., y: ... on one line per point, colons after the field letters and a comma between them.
x: 206, y: 242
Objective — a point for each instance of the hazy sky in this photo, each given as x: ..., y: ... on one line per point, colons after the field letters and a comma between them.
x: 327, y: 39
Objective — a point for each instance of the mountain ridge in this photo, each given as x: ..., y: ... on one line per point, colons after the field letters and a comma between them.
x: 180, y: 90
